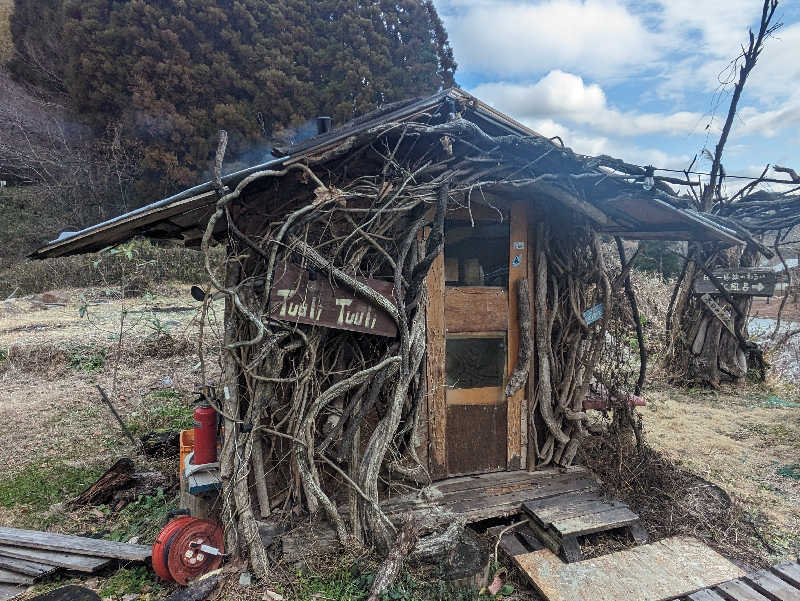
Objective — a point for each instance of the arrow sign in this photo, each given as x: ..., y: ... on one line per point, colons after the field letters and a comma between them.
x: 746, y: 281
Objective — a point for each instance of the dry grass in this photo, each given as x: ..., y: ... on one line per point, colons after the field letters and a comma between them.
x: 6, y: 45
x: 54, y: 423
x: 712, y: 470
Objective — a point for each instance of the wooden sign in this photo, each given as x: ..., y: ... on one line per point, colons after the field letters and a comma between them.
x: 718, y: 311
x: 594, y: 313
x: 300, y: 296
x: 752, y: 282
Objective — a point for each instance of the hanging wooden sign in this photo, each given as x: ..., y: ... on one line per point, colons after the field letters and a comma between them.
x: 300, y: 296
x: 751, y: 282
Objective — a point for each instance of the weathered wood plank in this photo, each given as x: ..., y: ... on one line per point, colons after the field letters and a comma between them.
x: 684, y: 564
x: 517, y: 270
x: 434, y: 369
x: 9, y: 577
x: 772, y: 587
x: 29, y: 568
x: 80, y: 563
x: 788, y: 571
x: 529, y: 536
x: 9, y: 591
x: 540, y: 484
x: 556, y: 512
x: 475, y: 309
x: 475, y: 499
x: 737, y: 590
x: 73, y: 544
x: 595, y: 522
x: 705, y: 595
x: 512, y: 546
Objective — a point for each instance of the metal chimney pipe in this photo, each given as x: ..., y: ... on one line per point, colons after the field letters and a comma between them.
x: 323, y: 125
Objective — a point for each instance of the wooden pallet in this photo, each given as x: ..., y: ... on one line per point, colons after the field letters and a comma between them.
x: 779, y: 583
x: 560, y: 520
x: 652, y: 572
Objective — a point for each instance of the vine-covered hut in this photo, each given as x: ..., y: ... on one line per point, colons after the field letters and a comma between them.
x: 417, y: 295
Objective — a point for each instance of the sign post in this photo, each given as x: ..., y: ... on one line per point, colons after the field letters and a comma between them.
x: 746, y: 281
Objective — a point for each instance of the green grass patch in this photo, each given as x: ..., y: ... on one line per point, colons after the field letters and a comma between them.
x: 165, y: 411
x: 791, y: 470
x: 137, y: 580
x: 774, y: 401
x: 40, y: 486
x: 87, y: 361
x: 354, y: 585
x: 143, y: 518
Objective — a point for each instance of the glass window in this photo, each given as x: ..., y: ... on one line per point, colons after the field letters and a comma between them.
x: 476, y: 256
x: 475, y: 362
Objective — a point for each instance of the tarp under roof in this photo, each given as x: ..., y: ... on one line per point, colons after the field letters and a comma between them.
x: 633, y: 214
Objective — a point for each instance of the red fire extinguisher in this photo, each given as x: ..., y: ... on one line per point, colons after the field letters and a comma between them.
x: 205, y: 434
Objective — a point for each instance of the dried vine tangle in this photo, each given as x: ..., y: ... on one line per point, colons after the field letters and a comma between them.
x: 312, y: 411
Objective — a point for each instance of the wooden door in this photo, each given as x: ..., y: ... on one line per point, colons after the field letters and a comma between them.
x: 472, y: 347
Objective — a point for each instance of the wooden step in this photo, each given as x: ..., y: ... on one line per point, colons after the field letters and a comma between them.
x: 662, y: 570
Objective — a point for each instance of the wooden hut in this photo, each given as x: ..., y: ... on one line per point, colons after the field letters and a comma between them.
x: 437, y: 219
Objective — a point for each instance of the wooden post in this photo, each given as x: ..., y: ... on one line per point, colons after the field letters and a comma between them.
x: 531, y: 388
x: 437, y: 402
x: 518, y: 269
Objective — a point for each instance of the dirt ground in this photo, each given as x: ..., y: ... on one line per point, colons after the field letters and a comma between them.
x: 745, y: 440
x: 769, y: 308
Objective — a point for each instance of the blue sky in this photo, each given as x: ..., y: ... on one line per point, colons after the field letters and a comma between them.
x: 636, y: 80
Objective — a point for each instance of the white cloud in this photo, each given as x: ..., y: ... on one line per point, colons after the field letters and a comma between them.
x: 561, y: 95
x: 584, y: 142
x: 751, y: 121
x: 600, y: 37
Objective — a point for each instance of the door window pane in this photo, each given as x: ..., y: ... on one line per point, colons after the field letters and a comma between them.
x: 476, y: 256
x: 475, y: 362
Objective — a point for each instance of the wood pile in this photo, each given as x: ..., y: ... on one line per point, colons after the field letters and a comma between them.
x: 27, y: 555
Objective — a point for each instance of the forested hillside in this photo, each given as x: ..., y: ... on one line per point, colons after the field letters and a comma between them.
x: 115, y: 104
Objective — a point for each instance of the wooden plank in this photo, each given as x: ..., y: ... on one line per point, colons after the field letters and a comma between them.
x: 434, y: 369
x: 773, y: 587
x: 737, y: 590
x: 531, y: 387
x: 705, y: 595
x: 73, y: 544
x: 535, y: 505
x: 488, y: 395
x: 9, y: 591
x: 557, y: 513
x: 79, y: 563
x: 788, y: 571
x: 532, y: 541
x: 663, y: 570
x: 517, y: 270
x: 9, y: 577
x: 546, y: 483
x: 549, y: 488
x: 512, y: 546
x: 29, y: 568
x: 595, y: 522
x: 475, y: 309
